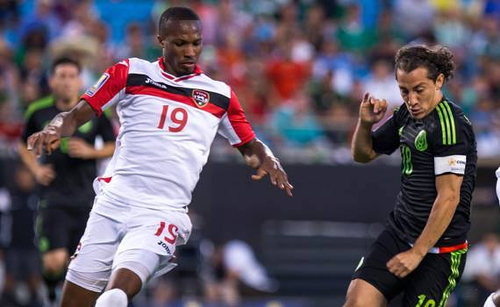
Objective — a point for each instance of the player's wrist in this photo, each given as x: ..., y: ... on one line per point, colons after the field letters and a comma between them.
x: 419, y: 250
x: 365, y: 124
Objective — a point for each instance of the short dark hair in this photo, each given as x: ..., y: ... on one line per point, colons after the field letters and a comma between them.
x: 63, y: 61
x: 176, y: 13
x: 437, y: 60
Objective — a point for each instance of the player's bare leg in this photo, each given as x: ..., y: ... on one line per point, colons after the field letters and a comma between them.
x: 361, y: 294
x: 76, y: 296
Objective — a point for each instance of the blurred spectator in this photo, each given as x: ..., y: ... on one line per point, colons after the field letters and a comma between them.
x: 483, y: 266
x: 287, y: 78
x: 413, y: 17
x: 340, y: 65
x: 381, y: 83
x: 295, y: 124
x: 352, y: 34
x: 228, y: 266
x: 21, y: 259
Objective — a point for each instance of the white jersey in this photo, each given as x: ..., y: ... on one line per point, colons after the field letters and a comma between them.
x: 168, y: 124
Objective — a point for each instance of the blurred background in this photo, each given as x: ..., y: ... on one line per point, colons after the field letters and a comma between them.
x: 299, y: 69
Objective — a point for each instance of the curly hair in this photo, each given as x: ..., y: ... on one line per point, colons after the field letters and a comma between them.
x: 437, y: 60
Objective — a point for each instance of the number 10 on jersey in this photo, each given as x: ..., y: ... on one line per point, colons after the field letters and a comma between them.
x: 177, y: 119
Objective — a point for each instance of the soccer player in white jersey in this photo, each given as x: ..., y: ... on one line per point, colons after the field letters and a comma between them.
x: 170, y: 113
x: 494, y: 299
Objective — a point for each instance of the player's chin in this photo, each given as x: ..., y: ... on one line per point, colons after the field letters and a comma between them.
x: 186, y: 69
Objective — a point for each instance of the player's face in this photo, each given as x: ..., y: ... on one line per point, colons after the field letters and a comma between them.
x: 420, y: 94
x: 181, y: 46
x: 65, y: 82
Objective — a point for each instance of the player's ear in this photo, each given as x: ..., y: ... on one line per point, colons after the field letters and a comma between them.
x: 439, y: 82
x: 160, y: 40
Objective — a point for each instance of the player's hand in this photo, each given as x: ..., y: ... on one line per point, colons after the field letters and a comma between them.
x: 371, y: 109
x: 404, y: 263
x: 44, y: 174
x: 46, y: 140
x: 78, y: 148
x: 272, y: 167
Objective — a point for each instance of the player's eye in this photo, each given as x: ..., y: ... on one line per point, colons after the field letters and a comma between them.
x: 179, y: 44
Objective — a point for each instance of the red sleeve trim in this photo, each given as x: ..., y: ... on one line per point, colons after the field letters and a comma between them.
x: 238, y: 121
x: 112, y: 81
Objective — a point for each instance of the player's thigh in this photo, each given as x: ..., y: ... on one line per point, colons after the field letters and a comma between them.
x: 157, y: 234
x: 373, y: 267
x: 90, y: 265
x: 361, y: 293
x: 434, y: 279
x: 52, y: 229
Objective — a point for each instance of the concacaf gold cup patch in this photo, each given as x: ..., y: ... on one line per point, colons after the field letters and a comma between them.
x: 94, y: 88
x: 200, y: 98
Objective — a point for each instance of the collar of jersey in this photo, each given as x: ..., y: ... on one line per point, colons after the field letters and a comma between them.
x: 197, y: 71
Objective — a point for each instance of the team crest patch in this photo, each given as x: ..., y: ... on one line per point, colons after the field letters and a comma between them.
x: 421, y: 141
x: 94, y: 88
x: 201, y: 98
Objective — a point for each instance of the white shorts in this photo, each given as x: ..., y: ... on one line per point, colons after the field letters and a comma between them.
x: 107, y: 237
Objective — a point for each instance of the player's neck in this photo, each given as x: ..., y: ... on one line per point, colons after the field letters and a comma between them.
x: 65, y: 105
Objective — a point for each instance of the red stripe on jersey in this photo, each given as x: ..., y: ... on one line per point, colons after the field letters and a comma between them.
x: 238, y: 121
x: 147, y: 90
x: 104, y: 90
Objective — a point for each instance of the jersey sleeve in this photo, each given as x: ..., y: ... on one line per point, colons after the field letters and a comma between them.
x: 109, y: 88
x: 234, y: 125
x: 105, y: 129
x: 385, y: 139
x: 452, y: 139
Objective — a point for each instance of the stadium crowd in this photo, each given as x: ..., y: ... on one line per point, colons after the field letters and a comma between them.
x: 299, y: 67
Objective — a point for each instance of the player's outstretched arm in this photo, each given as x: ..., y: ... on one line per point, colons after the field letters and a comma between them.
x: 371, y: 111
x: 63, y: 124
x: 257, y: 155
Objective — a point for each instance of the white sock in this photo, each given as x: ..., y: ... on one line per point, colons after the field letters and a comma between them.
x: 489, y: 301
x: 114, y: 297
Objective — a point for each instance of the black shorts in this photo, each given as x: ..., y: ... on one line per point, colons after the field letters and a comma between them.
x: 429, y: 285
x: 60, y: 227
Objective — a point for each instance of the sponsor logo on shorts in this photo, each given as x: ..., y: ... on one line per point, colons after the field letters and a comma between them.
x: 165, y: 247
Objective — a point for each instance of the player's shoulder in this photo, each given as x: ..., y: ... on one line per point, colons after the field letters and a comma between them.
x: 400, y: 112
x: 449, y: 122
x: 38, y: 106
x: 449, y: 113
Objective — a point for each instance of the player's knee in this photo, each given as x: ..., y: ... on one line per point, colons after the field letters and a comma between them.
x: 114, y: 297
x: 126, y: 280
